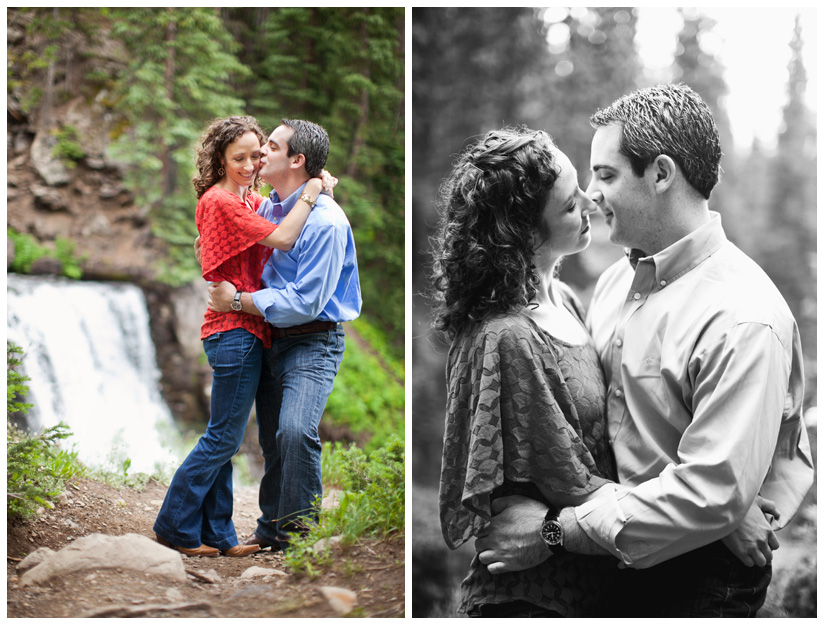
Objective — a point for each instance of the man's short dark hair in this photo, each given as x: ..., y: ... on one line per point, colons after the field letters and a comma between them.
x: 672, y: 120
x: 310, y: 140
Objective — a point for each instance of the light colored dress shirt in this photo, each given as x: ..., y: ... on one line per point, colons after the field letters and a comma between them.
x: 318, y: 278
x: 703, y: 363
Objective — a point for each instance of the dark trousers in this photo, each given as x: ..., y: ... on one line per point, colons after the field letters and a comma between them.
x: 707, y: 582
x: 518, y: 608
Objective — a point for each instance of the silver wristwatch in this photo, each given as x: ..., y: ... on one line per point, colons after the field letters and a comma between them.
x: 236, y: 302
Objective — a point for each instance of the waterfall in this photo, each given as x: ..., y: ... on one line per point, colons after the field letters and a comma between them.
x: 91, y: 363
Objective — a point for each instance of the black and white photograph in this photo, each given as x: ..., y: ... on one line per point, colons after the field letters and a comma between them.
x: 613, y: 312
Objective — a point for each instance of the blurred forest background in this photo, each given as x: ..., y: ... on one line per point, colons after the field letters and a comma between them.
x: 105, y: 106
x: 479, y: 69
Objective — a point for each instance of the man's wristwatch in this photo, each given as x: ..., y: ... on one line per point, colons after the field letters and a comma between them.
x: 552, y: 532
x: 236, y: 302
x: 305, y: 197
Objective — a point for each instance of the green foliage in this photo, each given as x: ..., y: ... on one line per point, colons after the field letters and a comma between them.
x: 68, y: 149
x: 369, y: 391
x: 27, y: 251
x: 15, y: 382
x: 372, y: 503
x: 36, y: 469
x: 344, y: 69
x: 179, y: 75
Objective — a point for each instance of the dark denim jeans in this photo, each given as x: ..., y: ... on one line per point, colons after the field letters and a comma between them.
x: 296, y: 379
x: 517, y: 608
x: 198, y: 505
x: 707, y: 582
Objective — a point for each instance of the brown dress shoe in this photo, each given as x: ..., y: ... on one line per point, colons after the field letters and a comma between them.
x: 241, y: 550
x: 203, y: 550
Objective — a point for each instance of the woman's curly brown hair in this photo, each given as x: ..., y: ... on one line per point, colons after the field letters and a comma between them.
x: 217, y: 136
x: 491, y: 208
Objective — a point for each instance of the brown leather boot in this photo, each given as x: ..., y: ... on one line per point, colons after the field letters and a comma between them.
x: 203, y: 550
x: 241, y: 550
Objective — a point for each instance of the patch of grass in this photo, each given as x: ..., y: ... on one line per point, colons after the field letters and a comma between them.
x: 372, y: 503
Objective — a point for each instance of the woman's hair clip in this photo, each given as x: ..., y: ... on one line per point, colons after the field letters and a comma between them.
x: 477, y: 168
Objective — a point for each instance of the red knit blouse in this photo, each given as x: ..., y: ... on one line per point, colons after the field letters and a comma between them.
x: 229, y: 231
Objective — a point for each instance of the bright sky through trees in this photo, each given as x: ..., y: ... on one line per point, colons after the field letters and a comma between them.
x: 752, y: 44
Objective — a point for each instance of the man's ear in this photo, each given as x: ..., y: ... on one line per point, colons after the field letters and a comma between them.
x: 664, y: 171
x: 297, y: 161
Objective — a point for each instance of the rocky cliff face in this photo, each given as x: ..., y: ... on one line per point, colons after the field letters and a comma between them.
x: 89, y: 205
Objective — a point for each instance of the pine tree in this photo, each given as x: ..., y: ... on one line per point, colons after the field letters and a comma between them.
x: 791, y: 240
x: 179, y: 74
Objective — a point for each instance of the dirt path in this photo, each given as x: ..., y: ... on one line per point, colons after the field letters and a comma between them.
x: 373, y: 570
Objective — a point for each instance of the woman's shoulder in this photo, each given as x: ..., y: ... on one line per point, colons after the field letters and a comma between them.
x: 501, y: 333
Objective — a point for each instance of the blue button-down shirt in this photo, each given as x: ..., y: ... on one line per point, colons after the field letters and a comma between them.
x: 318, y: 278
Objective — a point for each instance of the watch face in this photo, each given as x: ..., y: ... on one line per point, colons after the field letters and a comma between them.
x: 236, y: 306
x: 551, y: 533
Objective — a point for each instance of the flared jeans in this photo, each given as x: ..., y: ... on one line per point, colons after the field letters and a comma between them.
x: 198, y: 505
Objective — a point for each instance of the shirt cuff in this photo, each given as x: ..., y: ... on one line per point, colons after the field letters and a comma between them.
x: 602, y: 519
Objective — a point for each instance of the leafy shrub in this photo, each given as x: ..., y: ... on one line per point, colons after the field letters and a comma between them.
x: 27, y: 251
x: 372, y: 503
x: 68, y: 148
x: 36, y: 469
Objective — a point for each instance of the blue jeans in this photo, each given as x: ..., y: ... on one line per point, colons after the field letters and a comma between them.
x: 296, y: 379
x: 198, y: 505
x: 706, y: 582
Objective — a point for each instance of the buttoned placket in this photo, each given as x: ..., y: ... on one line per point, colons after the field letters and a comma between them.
x: 644, y: 281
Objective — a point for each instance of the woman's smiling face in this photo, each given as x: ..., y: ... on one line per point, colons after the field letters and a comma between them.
x: 242, y: 159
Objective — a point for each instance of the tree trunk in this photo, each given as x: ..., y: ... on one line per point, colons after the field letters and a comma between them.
x: 364, y: 106
x: 169, y: 168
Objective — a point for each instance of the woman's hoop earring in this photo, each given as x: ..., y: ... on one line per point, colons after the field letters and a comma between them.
x: 221, y: 171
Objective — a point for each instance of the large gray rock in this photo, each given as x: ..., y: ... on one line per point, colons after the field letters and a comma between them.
x: 132, y: 552
x: 50, y: 168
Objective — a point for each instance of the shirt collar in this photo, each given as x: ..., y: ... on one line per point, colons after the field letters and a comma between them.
x: 281, y: 207
x: 681, y: 257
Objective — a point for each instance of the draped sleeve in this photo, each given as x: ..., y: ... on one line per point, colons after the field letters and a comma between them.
x: 510, y: 416
x: 227, y: 227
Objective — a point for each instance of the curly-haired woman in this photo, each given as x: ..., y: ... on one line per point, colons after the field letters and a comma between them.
x: 235, y: 243
x: 525, y: 414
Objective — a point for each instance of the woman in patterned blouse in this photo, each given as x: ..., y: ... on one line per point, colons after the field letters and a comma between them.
x: 525, y: 413
x: 235, y: 243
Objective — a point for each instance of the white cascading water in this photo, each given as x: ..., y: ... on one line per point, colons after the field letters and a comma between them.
x: 91, y: 362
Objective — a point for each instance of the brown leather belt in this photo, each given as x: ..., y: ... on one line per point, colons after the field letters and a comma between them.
x: 303, y: 329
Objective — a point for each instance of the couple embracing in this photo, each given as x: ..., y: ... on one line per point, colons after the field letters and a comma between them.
x: 635, y: 460
x: 283, y: 277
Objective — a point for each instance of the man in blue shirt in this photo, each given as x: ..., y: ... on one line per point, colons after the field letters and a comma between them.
x: 307, y: 293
